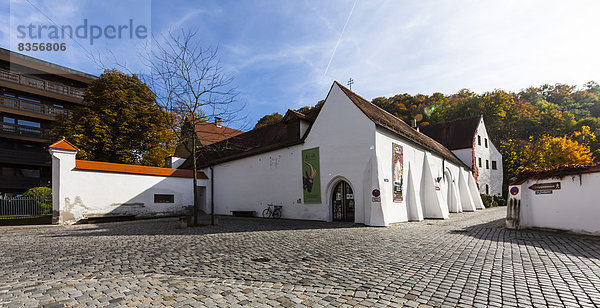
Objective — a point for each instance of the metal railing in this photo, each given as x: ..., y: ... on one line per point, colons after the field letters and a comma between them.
x: 25, y: 207
x: 22, y: 130
x: 19, y: 104
x: 47, y: 85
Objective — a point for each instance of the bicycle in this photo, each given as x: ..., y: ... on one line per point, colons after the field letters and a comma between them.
x: 272, y: 213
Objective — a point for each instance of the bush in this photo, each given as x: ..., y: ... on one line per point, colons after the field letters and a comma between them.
x: 43, y: 196
x: 488, y: 201
x: 501, y: 201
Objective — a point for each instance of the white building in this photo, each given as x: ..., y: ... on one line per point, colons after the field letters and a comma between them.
x: 563, y: 198
x: 469, y: 141
x: 347, y: 160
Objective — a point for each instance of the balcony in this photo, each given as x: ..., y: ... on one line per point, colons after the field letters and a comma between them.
x: 41, y: 84
x: 32, y: 107
x: 24, y: 132
x: 25, y: 157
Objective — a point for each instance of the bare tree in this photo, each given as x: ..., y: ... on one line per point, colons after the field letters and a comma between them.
x: 189, y: 82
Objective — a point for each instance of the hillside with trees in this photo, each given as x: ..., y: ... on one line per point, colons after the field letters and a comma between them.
x: 538, y: 127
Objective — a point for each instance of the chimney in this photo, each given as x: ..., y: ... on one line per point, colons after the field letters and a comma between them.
x: 218, y: 122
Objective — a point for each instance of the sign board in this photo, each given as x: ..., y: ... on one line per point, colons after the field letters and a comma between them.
x: 397, y: 172
x: 514, y: 191
x: 376, y: 192
x: 376, y: 199
x: 545, y: 186
x: 311, y: 181
x: 543, y: 192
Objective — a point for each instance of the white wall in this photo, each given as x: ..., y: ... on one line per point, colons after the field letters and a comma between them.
x: 344, y: 136
x: 487, y: 176
x: 79, y: 194
x: 574, y: 207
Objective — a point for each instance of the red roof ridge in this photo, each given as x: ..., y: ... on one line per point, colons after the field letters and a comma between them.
x: 63, y: 144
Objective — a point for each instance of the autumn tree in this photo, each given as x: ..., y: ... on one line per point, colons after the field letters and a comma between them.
x: 119, y: 122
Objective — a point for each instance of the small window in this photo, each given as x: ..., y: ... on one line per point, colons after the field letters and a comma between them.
x: 479, y: 162
x: 494, y: 165
x: 487, y: 164
x: 478, y: 140
x: 29, y: 123
x: 158, y: 198
x: 487, y: 189
x: 485, y: 142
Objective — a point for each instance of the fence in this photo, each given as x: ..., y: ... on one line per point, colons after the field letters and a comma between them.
x: 25, y: 207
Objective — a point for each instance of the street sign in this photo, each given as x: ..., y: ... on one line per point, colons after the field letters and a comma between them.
x: 376, y: 192
x: 514, y: 191
x: 545, y: 186
x: 543, y: 192
x: 376, y: 199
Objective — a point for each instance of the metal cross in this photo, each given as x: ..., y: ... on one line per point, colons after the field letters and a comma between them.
x: 350, y: 83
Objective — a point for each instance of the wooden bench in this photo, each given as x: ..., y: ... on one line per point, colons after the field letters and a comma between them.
x: 243, y: 213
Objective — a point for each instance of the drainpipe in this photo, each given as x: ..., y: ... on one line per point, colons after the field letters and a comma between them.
x: 212, y: 196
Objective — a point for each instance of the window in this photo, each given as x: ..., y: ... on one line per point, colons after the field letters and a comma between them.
x: 479, y: 162
x: 158, y: 198
x: 29, y: 123
x: 485, y: 142
x: 487, y: 189
x: 494, y: 165
x: 487, y: 164
x: 478, y: 140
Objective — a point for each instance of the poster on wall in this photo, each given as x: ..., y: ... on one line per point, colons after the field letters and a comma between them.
x: 397, y: 168
x: 311, y: 183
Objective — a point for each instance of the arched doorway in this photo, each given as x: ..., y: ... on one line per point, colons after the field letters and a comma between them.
x: 342, y: 202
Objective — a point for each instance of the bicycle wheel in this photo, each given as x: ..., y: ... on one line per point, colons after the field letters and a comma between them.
x: 277, y: 214
x: 266, y: 213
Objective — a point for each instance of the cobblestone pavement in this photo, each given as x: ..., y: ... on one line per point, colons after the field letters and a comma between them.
x: 469, y: 260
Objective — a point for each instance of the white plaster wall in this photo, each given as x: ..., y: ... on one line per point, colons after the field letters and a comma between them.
x: 486, y: 176
x: 413, y: 155
x: 78, y: 194
x: 574, y: 207
x: 345, y: 137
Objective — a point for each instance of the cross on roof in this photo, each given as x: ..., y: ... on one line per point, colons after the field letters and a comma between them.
x: 350, y: 83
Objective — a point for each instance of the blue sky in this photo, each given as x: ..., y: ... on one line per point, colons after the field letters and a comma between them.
x: 278, y: 51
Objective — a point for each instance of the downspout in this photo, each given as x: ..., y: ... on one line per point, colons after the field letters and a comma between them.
x: 212, y: 196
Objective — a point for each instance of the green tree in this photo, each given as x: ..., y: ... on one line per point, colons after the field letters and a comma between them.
x: 120, y: 122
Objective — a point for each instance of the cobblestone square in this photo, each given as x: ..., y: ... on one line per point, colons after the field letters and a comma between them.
x: 469, y: 260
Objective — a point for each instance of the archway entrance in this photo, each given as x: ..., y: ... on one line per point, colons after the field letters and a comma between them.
x: 343, y: 202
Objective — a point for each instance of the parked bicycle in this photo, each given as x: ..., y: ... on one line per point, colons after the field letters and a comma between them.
x: 272, y: 211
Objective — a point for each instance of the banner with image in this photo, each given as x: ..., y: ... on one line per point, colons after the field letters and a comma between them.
x: 311, y: 182
x: 397, y: 168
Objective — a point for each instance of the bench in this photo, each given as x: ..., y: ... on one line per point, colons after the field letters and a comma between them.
x: 243, y: 213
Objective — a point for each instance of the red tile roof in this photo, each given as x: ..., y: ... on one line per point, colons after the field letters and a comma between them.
x: 63, y: 144
x: 135, y: 169
x: 209, y: 133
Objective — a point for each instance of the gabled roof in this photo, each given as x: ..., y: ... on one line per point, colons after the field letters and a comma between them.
x: 63, y: 144
x: 394, y: 124
x: 259, y: 140
x: 457, y: 134
x: 208, y: 133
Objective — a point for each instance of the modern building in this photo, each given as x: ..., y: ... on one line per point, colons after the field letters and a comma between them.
x: 34, y: 92
x: 469, y: 141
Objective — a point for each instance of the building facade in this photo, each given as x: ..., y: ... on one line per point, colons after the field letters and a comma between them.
x: 469, y: 141
x: 34, y: 92
x: 347, y: 160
